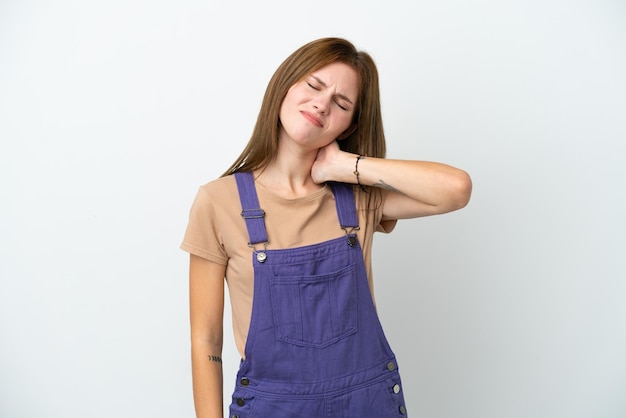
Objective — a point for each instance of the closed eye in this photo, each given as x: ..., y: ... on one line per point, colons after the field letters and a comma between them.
x: 313, y: 86
x: 341, y: 106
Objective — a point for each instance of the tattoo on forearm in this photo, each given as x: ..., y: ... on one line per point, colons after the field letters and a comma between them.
x: 216, y: 359
x: 381, y: 183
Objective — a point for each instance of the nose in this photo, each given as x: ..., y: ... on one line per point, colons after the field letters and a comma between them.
x: 321, y: 105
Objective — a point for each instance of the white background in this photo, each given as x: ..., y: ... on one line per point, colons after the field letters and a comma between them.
x: 113, y: 113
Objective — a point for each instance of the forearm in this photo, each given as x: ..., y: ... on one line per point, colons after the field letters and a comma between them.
x: 419, y: 187
x: 432, y: 183
x: 206, y: 299
x: 207, y: 379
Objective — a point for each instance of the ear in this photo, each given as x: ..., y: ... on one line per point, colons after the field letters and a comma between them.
x: 347, y: 132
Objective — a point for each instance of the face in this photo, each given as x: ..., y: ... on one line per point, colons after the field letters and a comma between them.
x: 320, y: 108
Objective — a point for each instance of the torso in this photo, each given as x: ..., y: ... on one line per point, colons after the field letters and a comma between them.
x: 217, y: 232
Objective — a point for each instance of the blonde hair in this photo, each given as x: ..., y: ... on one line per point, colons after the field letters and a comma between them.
x: 367, y: 139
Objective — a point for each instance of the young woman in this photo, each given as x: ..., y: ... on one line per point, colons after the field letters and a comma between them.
x: 289, y: 228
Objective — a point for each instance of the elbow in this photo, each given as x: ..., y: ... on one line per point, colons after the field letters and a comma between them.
x: 462, y: 190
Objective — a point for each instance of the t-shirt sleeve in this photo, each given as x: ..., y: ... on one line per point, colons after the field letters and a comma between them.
x: 202, y: 237
x: 373, y: 202
x: 386, y: 226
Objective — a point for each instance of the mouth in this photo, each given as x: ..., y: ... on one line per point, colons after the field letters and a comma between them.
x: 313, y: 119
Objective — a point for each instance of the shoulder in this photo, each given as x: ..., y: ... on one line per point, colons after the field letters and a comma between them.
x: 219, y: 185
x: 216, y: 195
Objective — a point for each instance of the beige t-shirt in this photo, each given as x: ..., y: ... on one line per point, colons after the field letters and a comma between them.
x: 217, y: 232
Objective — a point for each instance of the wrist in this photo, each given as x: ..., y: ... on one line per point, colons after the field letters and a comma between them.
x: 356, y: 173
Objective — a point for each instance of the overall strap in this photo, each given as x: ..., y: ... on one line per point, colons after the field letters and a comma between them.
x: 346, y: 206
x: 251, y: 211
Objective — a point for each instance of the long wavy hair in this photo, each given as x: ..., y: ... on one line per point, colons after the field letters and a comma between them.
x: 367, y: 139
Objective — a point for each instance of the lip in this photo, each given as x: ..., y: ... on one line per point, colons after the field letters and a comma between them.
x: 312, y: 118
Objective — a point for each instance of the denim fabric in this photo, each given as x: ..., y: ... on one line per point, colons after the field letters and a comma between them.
x: 315, y: 347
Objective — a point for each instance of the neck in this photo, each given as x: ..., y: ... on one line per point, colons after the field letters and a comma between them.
x: 289, y: 174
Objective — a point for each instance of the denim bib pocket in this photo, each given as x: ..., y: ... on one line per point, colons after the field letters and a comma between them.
x: 315, y: 311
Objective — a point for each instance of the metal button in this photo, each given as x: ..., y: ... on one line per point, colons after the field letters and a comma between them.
x: 261, y: 257
x: 402, y: 410
x: 396, y: 389
x: 244, y: 381
x: 235, y: 416
x: 351, y: 241
x: 241, y: 401
x: 391, y: 366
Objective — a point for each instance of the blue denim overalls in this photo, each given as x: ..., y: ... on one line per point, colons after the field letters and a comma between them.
x: 315, y: 347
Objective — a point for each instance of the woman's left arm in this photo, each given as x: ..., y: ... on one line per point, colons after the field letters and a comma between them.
x: 416, y: 188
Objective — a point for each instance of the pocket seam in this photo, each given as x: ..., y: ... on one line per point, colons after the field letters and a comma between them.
x: 331, y: 280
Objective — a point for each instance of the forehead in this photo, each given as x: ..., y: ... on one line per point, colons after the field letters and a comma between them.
x: 340, y: 76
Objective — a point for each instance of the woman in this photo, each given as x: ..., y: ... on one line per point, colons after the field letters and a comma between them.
x: 289, y: 226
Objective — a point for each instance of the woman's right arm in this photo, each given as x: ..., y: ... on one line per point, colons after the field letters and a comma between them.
x: 206, y: 306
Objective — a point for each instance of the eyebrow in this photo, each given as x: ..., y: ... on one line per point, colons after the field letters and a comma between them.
x: 342, y: 96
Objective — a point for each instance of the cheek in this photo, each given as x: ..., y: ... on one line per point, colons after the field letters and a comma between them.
x: 293, y: 94
x: 344, y: 122
x: 281, y: 111
x: 289, y: 102
x: 286, y: 106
